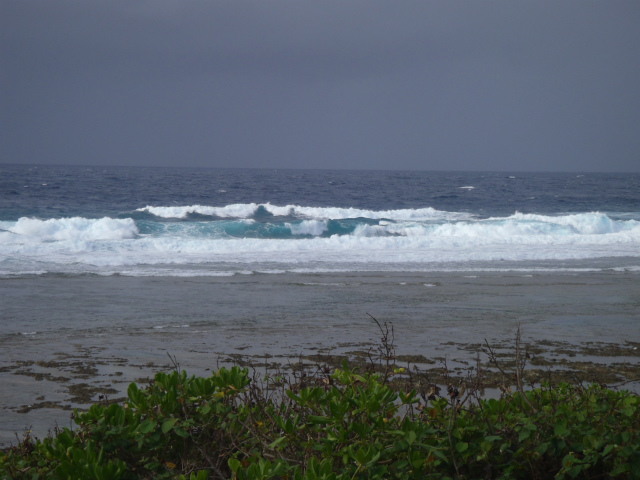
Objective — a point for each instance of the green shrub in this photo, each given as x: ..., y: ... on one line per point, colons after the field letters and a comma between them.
x: 343, y: 425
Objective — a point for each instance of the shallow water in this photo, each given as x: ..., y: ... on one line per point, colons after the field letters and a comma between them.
x: 123, y: 327
x: 47, y: 310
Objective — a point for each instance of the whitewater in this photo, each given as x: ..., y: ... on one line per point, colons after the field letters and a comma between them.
x: 77, y: 221
x: 236, y: 239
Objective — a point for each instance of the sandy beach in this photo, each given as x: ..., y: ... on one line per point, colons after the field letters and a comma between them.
x: 68, y: 341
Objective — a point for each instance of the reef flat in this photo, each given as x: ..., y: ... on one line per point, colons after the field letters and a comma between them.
x: 69, y: 341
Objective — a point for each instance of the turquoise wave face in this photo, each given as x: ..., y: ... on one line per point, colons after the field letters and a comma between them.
x: 511, y: 228
x: 227, y: 229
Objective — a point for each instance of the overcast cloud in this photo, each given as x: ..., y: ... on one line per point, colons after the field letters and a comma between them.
x: 430, y: 85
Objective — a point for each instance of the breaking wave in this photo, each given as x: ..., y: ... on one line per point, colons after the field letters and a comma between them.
x: 67, y: 229
x: 248, y: 210
x: 199, y: 240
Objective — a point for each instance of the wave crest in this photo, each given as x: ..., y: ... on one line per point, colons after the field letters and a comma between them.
x: 247, y: 210
x: 68, y: 229
x: 593, y: 223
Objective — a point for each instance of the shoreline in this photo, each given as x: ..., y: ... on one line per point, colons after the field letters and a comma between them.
x: 53, y: 389
x: 103, y: 333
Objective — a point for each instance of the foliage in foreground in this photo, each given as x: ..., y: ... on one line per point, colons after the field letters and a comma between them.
x: 338, y: 426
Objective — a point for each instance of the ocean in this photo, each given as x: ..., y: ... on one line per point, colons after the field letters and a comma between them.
x: 190, y: 222
x: 106, y: 270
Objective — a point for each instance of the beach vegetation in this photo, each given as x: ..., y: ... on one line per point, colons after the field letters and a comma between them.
x: 338, y: 424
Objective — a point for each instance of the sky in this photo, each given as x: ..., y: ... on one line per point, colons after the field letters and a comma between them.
x: 517, y: 85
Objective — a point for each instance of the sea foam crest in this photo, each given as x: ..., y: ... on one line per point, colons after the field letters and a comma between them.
x: 515, y: 228
x: 61, y: 229
x: 336, y: 213
x: 236, y: 210
x: 246, y: 210
x: 308, y: 227
x: 593, y: 223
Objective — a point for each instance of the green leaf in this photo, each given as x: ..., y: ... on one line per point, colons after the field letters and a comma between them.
x: 485, y: 446
x: 182, y: 432
x: 591, y: 441
x: 400, y: 464
x: 623, y: 467
x: 437, y: 452
x: 147, y: 426
x: 560, y: 428
x: 168, y: 425
x: 607, y: 450
x: 293, y: 396
x: 277, y: 442
x: 462, y: 446
x: 234, y: 465
x: 524, y: 434
x: 542, y: 448
x: 575, y: 471
x: 318, y: 419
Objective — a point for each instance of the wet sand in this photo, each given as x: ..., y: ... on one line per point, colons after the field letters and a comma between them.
x: 70, y: 341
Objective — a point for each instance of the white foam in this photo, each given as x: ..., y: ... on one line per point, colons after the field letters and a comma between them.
x: 593, y: 223
x: 28, y: 229
x: 508, y: 229
x: 321, y: 213
x: 308, y: 227
x: 10, y: 273
x: 174, y: 271
x: 336, y: 213
x: 113, y: 246
x: 238, y: 210
x: 372, y: 230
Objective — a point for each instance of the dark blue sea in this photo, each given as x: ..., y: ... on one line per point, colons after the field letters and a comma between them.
x: 208, y: 222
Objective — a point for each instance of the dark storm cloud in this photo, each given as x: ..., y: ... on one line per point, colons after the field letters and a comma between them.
x: 335, y: 84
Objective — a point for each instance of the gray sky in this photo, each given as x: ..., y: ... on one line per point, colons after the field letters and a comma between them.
x: 429, y: 85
